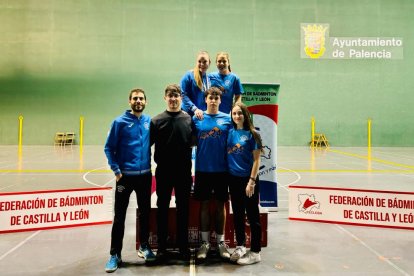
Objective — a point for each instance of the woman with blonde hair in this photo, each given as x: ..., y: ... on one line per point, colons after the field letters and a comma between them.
x: 194, y: 83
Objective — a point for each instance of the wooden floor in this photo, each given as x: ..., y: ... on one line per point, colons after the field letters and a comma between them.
x: 294, y: 247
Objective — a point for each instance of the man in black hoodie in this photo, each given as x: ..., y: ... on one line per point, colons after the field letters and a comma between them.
x: 172, y: 133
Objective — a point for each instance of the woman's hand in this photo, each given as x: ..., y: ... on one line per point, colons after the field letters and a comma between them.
x: 199, y: 114
x: 250, y: 188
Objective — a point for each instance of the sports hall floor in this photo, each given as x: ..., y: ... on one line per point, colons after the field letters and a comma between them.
x: 294, y: 247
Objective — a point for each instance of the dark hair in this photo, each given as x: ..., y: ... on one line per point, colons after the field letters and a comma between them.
x: 248, y: 124
x: 137, y: 90
x: 227, y: 57
x: 174, y: 88
x: 214, y: 91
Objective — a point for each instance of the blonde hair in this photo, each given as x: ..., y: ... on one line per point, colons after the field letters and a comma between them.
x: 197, y: 76
x: 226, y: 55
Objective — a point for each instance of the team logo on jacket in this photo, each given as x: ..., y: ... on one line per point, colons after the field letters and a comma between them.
x: 220, y: 122
x: 146, y: 125
x: 244, y: 138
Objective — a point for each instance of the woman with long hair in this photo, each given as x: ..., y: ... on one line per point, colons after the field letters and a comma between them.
x: 243, y: 156
x: 194, y: 83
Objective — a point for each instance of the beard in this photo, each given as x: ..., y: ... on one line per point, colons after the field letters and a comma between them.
x: 138, y: 108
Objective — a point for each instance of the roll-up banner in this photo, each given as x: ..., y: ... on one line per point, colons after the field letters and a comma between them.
x: 262, y: 101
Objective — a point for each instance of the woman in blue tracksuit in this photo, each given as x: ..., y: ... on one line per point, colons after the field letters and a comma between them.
x: 193, y: 84
x: 228, y: 82
x: 243, y: 158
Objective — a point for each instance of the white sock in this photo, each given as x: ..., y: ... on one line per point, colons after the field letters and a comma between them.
x: 205, y: 237
x: 220, y: 238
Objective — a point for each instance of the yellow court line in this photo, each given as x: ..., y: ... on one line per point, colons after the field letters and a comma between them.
x: 373, y: 159
x: 409, y: 169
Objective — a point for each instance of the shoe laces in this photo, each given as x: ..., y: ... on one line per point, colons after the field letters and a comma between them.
x: 238, y: 250
x: 114, y: 259
x: 252, y: 256
x: 146, y: 250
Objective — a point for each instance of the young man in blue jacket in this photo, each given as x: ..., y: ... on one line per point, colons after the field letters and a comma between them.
x: 129, y: 155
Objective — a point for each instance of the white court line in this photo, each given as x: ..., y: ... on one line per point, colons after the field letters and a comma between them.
x: 407, y: 175
x: 193, y: 270
x: 401, y: 155
x: 8, y: 165
x: 373, y: 251
x: 293, y: 182
x: 37, y: 232
x: 402, y: 174
x: 20, y: 244
x: 28, y: 238
x: 104, y: 185
x: 6, y: 187
x: 40, y: 155
x: 298, y: 178
x: 352, y: 235
x: 16, y: 164
x: 92, y: 183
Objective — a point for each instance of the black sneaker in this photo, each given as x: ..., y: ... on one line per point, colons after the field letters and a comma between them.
x: 185, y: 254
x: 161, y: 256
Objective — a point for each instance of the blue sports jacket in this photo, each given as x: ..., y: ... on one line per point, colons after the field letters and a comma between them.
x: 128, y: 144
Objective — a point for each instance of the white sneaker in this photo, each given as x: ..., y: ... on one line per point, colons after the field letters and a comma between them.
x: 223, y: 250
x: 239, y: 252
x: 203, y: 250
x: 249, y: 258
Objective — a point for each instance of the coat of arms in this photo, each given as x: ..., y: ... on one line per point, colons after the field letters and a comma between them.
x: 314, y: 40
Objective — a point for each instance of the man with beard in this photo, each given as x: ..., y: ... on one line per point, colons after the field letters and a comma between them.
x: 129, y: 155
x: 172, y: 134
